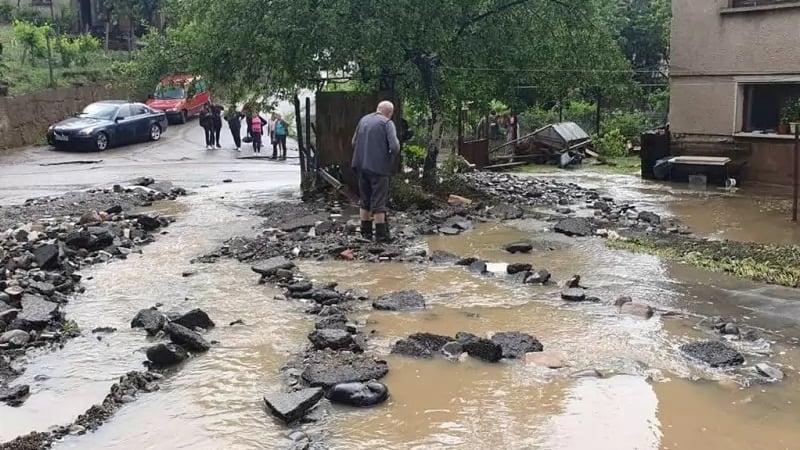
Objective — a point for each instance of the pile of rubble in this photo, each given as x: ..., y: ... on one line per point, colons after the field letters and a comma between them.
x: 40, y: 257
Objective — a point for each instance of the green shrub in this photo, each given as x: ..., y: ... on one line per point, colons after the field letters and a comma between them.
x: 629, y: 124
x: 612, y: 143
x: 414, y: 156
x: 6, y: 12
x: 32, y: 38
x: 29, y: 15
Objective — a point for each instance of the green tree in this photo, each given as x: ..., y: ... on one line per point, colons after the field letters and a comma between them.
x: 438, y: 53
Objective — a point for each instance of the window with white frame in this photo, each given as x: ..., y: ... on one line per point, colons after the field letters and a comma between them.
x: 770, y: 107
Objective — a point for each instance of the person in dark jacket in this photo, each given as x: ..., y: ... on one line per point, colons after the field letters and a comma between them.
x: 206, y: 123
x: 234, y: 119
x: 216, y: 122
x: 375, y: 144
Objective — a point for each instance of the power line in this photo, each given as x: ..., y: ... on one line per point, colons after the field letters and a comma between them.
x: 509, y: 69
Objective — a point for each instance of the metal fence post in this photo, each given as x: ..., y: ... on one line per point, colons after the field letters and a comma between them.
x: 794, y: 170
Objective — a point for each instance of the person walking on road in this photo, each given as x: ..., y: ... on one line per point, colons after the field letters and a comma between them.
x: 281, y: 130
x: 216, y: 123
x: 256, y: 128
x: 234, y: 119
x: 205, y: 122
x: 375, y: 144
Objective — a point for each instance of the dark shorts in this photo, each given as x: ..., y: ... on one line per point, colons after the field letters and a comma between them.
x: 374, y: 191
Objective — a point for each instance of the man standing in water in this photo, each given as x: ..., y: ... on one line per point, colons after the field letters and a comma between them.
x: 375, y: 144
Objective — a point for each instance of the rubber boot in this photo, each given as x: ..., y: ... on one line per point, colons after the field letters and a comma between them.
x: 366, y: 229
x: 382, y: 233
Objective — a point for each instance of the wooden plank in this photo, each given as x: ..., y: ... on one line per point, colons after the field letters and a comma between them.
x: 505, y: 165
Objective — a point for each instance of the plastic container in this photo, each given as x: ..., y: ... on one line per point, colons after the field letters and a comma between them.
x: 698, y: 182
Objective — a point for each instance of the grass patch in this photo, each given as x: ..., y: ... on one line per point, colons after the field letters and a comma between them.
x: 626, y: 165
x: 769, y: 263
x: 30, y: 77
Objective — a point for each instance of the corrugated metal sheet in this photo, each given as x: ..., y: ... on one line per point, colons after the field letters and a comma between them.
x: 570, y: 131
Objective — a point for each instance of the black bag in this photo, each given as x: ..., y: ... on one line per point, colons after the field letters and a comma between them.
x: 247, y: 139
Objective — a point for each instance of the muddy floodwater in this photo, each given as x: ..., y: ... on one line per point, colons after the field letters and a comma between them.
x: 650, y: 398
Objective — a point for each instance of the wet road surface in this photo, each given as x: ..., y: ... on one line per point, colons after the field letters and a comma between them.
x: 180, y: 156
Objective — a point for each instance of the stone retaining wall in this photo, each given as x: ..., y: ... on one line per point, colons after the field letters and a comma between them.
x: 24, y: 119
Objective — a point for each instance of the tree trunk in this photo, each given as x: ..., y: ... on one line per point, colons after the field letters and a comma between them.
x: 429, y: 73
x: 131, y: 35
x: 108, y: 30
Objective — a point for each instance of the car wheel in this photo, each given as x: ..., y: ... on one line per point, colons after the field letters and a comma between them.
x: 184, y: 116
x: 101, y: 141
x: 155, y: 132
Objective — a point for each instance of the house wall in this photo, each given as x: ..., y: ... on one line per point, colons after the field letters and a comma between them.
x: 43, y: 6
x: 24, y: 119
x: 714, y: 49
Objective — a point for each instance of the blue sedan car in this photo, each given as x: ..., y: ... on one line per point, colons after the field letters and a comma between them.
x: 108, y: 123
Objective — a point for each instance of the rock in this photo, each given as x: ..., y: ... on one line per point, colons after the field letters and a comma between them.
x: 551, y: 360
x: 300, y: 286
x: 347, y: 255
x: 518, y: 268
x: 480, y: 348
x: 328, y: 370
x: 90, y: 217
x: 46, y: 289
x: 359, y: 394
x: 17, y: 338
x: 271, y: 266
x: 519, y: 247
x: 769, y: 371
x: 637, y: 309
x: 453, y: 350
x: 587, y: 373
x: 149, y: 223
x: 292, y: 406
x: 326, y: 296
x: 14, y: 395
x: 36, y: 311
x: 330, y: 338
x: 152, y: 320
x: 515, y: 344
x: 143, y: 181
x: 573, y: 295
x: 574, y: 226
x: 164, y: 355
x: 236, y: 322
x: 46, y: 256
x: 651, y: 218
x: 478, y: 267
x: 730, y: 328
x: 441, y: 256
x: 541, y: 276
x: 116, y: 209
x: 194, y: 319
x: 400, y: 301
x: 574, y: 282
x: 466, y: 261
x: 186, y: 338
x: 331, y: 322
x: 458, y: 200
x: 420, y: 345
x: 713, y: 353
x: 14, y: 291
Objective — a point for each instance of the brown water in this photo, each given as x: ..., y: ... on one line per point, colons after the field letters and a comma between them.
x: 215, y: 400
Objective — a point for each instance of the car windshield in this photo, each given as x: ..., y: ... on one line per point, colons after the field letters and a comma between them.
x: 105, y: 111
x: 169, y: 92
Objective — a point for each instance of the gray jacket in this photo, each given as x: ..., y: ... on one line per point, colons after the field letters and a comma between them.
x: 374, y: 144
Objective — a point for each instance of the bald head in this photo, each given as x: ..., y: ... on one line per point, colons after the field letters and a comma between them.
x: 386, y: 108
